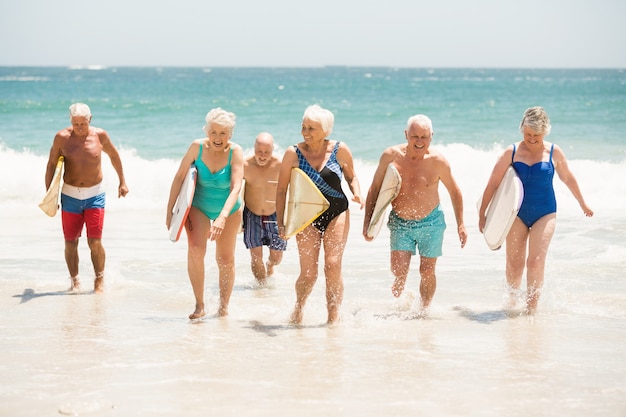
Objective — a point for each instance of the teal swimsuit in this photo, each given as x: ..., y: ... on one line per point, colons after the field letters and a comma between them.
x: 212, y: 190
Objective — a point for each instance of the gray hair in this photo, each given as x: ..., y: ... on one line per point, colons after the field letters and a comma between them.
x: 220, y: 117
x: 537, y: 119
x: 80, y: 110
x: 421, y: 120
x: 324, y: 117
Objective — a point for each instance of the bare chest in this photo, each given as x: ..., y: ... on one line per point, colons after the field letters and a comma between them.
x: 87, y: 148
x: 418, y: 178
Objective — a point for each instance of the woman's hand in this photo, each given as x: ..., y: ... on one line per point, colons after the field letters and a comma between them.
x: 217, y: 227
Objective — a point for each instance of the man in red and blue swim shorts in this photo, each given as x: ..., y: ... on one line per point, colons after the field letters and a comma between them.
x: 82, y: 196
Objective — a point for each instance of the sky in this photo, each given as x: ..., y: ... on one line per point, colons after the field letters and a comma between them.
x: 296, y: 33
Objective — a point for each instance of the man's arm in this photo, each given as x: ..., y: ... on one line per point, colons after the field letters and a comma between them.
x: 455, y: 196
x: 55, y: 153
x: 116, y: 161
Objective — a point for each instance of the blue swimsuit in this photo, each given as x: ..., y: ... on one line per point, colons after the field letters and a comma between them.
x: 539, y: 199
x: 328, y: 180
x: 212, y: 190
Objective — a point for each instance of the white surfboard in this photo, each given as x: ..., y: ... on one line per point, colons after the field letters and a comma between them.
x: 183, y: 204
x: 389, y: 190
x: 503, y: 209
x: 305, y: 203
x: 242, y: 198
x: 50, y: 202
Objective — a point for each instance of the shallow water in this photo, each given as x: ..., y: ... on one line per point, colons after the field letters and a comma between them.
x: 132, y: 351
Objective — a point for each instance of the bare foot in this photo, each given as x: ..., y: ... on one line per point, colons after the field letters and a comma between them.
x: 270, y: 268
x: 531, y: 308
x: 333, y: 317
x: 222, y: 311
x: 197, y: 314
x: 296, y: 316
x: 398, y: 287
x: 75, y: 284
x: 98, y: 284
x: 532, y: 301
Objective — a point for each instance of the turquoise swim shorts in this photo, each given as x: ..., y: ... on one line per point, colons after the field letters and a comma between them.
x: 426, y: 234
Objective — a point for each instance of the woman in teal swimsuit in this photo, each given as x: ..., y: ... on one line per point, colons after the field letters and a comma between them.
x: 325, y: 161
x: 215, y: 213
x: 535, y: 160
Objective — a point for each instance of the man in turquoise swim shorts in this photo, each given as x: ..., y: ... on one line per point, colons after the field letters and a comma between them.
x: 416, y: 220
x: 425, y: 234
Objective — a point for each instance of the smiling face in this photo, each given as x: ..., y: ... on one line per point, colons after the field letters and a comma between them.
x: 262, y: 153
x: 312, y: 131
x: 218, y: 135
x: 418, y: 137
x: 532, y: 137
x: 80, y: 125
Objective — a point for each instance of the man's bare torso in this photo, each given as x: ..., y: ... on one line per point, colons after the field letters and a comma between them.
x: 83, y: 157
x: 260, y: 186
x: 419, y: 192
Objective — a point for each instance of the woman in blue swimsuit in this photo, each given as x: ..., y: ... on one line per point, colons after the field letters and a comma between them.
x: 535, y: 161
x: 215, y: 213
x: 325, y: 162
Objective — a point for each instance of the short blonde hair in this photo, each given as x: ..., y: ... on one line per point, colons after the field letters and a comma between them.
x: 537, y: 119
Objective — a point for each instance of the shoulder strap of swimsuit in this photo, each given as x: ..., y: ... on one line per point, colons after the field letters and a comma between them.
x: 230, y: 155
x: 551, y: 150
x: 513, y: 154
x: 200, y: 151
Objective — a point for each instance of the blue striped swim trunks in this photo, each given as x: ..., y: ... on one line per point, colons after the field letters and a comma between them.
x: 261, y: 231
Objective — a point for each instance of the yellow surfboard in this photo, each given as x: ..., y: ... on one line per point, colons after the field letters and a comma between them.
x: 305, y: 203
x: 50, y: 202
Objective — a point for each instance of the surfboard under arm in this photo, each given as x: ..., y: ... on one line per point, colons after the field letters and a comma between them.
x: 305, y: 203
x: 50, y: 202
x: 183, y: 204
x: 502, y: 209
x: 389, y: 190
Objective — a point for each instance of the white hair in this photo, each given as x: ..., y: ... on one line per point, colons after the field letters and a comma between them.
x: 79, y: 110
x: 421, y: 120
x: 324, y: 117
x: 220, y: 117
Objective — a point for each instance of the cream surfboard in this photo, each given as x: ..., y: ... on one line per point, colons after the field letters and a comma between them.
x: 305, y: 203
x: 50, y: 202
x: 503, y: 209
x: 389, y: 190
x: 183, y: 204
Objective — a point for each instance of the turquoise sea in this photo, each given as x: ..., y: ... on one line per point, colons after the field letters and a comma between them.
x: 132, y: 351
x: 156, y: 111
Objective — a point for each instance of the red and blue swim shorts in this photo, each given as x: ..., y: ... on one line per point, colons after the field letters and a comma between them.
x: 80, y: 207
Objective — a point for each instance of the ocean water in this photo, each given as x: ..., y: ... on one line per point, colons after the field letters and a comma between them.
x: 132, y: 350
